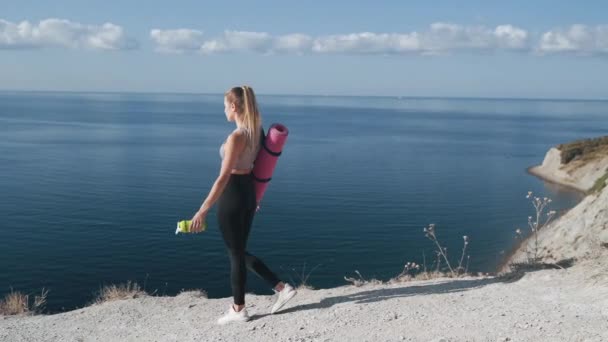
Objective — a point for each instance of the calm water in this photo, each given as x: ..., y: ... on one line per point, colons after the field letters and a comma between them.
x: 92, y: 185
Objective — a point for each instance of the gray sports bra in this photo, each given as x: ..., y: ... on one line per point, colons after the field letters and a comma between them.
x: 247, y: 157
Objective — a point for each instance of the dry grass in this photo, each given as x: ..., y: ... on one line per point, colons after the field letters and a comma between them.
x: 412, y: 271
x: 420, y: 276
x: 535, y: 257
x: 362, y: 281
x: 405, y: 278
x: 302, y: 277
x: 14, y: 303
x: 129, y: 290
x: 536, y: 223
x: 17, y: 303
x: 583, y: 150
x: 196, y: 293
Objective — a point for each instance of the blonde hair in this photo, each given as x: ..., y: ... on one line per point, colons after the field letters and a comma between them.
x: 246, y: 105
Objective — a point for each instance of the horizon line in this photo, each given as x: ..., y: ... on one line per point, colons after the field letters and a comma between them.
x: 566, y: 99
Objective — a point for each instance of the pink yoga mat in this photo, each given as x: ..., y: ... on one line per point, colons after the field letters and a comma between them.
x: 265, y: 162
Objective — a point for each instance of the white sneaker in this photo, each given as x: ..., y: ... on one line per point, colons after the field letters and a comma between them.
x: 284, y: 296
x: 234, y: 316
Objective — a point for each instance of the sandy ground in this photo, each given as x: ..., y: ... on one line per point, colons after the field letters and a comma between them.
x: 546, y: 305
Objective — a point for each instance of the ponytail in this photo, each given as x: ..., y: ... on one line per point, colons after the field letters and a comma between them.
x: 244, y: 99
x: 251, y: 115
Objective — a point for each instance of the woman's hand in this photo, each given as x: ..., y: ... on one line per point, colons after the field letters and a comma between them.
x: 197, y: 221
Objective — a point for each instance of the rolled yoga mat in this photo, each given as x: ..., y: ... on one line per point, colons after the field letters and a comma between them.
x: 266, y: 160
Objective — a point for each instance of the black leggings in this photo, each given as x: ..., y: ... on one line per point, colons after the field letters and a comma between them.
x: 236, y: 208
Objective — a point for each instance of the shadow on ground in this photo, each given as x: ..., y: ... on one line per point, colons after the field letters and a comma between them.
x: 378, y: 295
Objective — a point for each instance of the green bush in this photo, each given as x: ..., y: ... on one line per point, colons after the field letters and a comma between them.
x: 600, y: 183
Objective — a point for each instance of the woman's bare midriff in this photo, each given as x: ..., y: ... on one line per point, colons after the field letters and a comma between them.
x: 240, y: 172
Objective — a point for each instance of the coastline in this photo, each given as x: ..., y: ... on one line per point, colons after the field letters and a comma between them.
x: 582, y: 231
x: 578, y: 174
x: 547, y: 177
x: 503, y: 265
x: 579, y: 234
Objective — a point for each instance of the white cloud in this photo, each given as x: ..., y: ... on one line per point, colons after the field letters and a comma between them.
x: 239, y: 41
x: 367, y: 43
x: 447, y: 37
x: 186, y: 40
x: 177, y: 41
x: 439, y: 38
x: 578, y: 39
x: 296, y: 43
x: 63, y: 33
x: 508, y: 36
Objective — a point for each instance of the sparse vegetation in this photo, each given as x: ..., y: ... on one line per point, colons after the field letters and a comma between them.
x: 443, y: 252
x: 197, y: 293
x: 302, y: 277
x: 361, y: 281
x: 600, y: 183
x: 585, y: 149
x: 17, y: 303
x: 117, y: 292
x: 535, y: 223
x: 412, y: 271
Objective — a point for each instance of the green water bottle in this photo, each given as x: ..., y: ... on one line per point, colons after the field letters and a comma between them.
x: 184, y: 226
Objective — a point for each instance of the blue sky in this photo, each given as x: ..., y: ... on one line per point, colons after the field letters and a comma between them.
x: 529, y: 49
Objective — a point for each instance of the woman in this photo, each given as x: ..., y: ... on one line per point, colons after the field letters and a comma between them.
x: 235, y: 195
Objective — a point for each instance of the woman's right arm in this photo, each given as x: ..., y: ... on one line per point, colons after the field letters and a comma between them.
x: 233, y: 148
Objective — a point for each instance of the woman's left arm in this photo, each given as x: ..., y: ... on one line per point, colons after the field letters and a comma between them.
x: 234, y: 146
